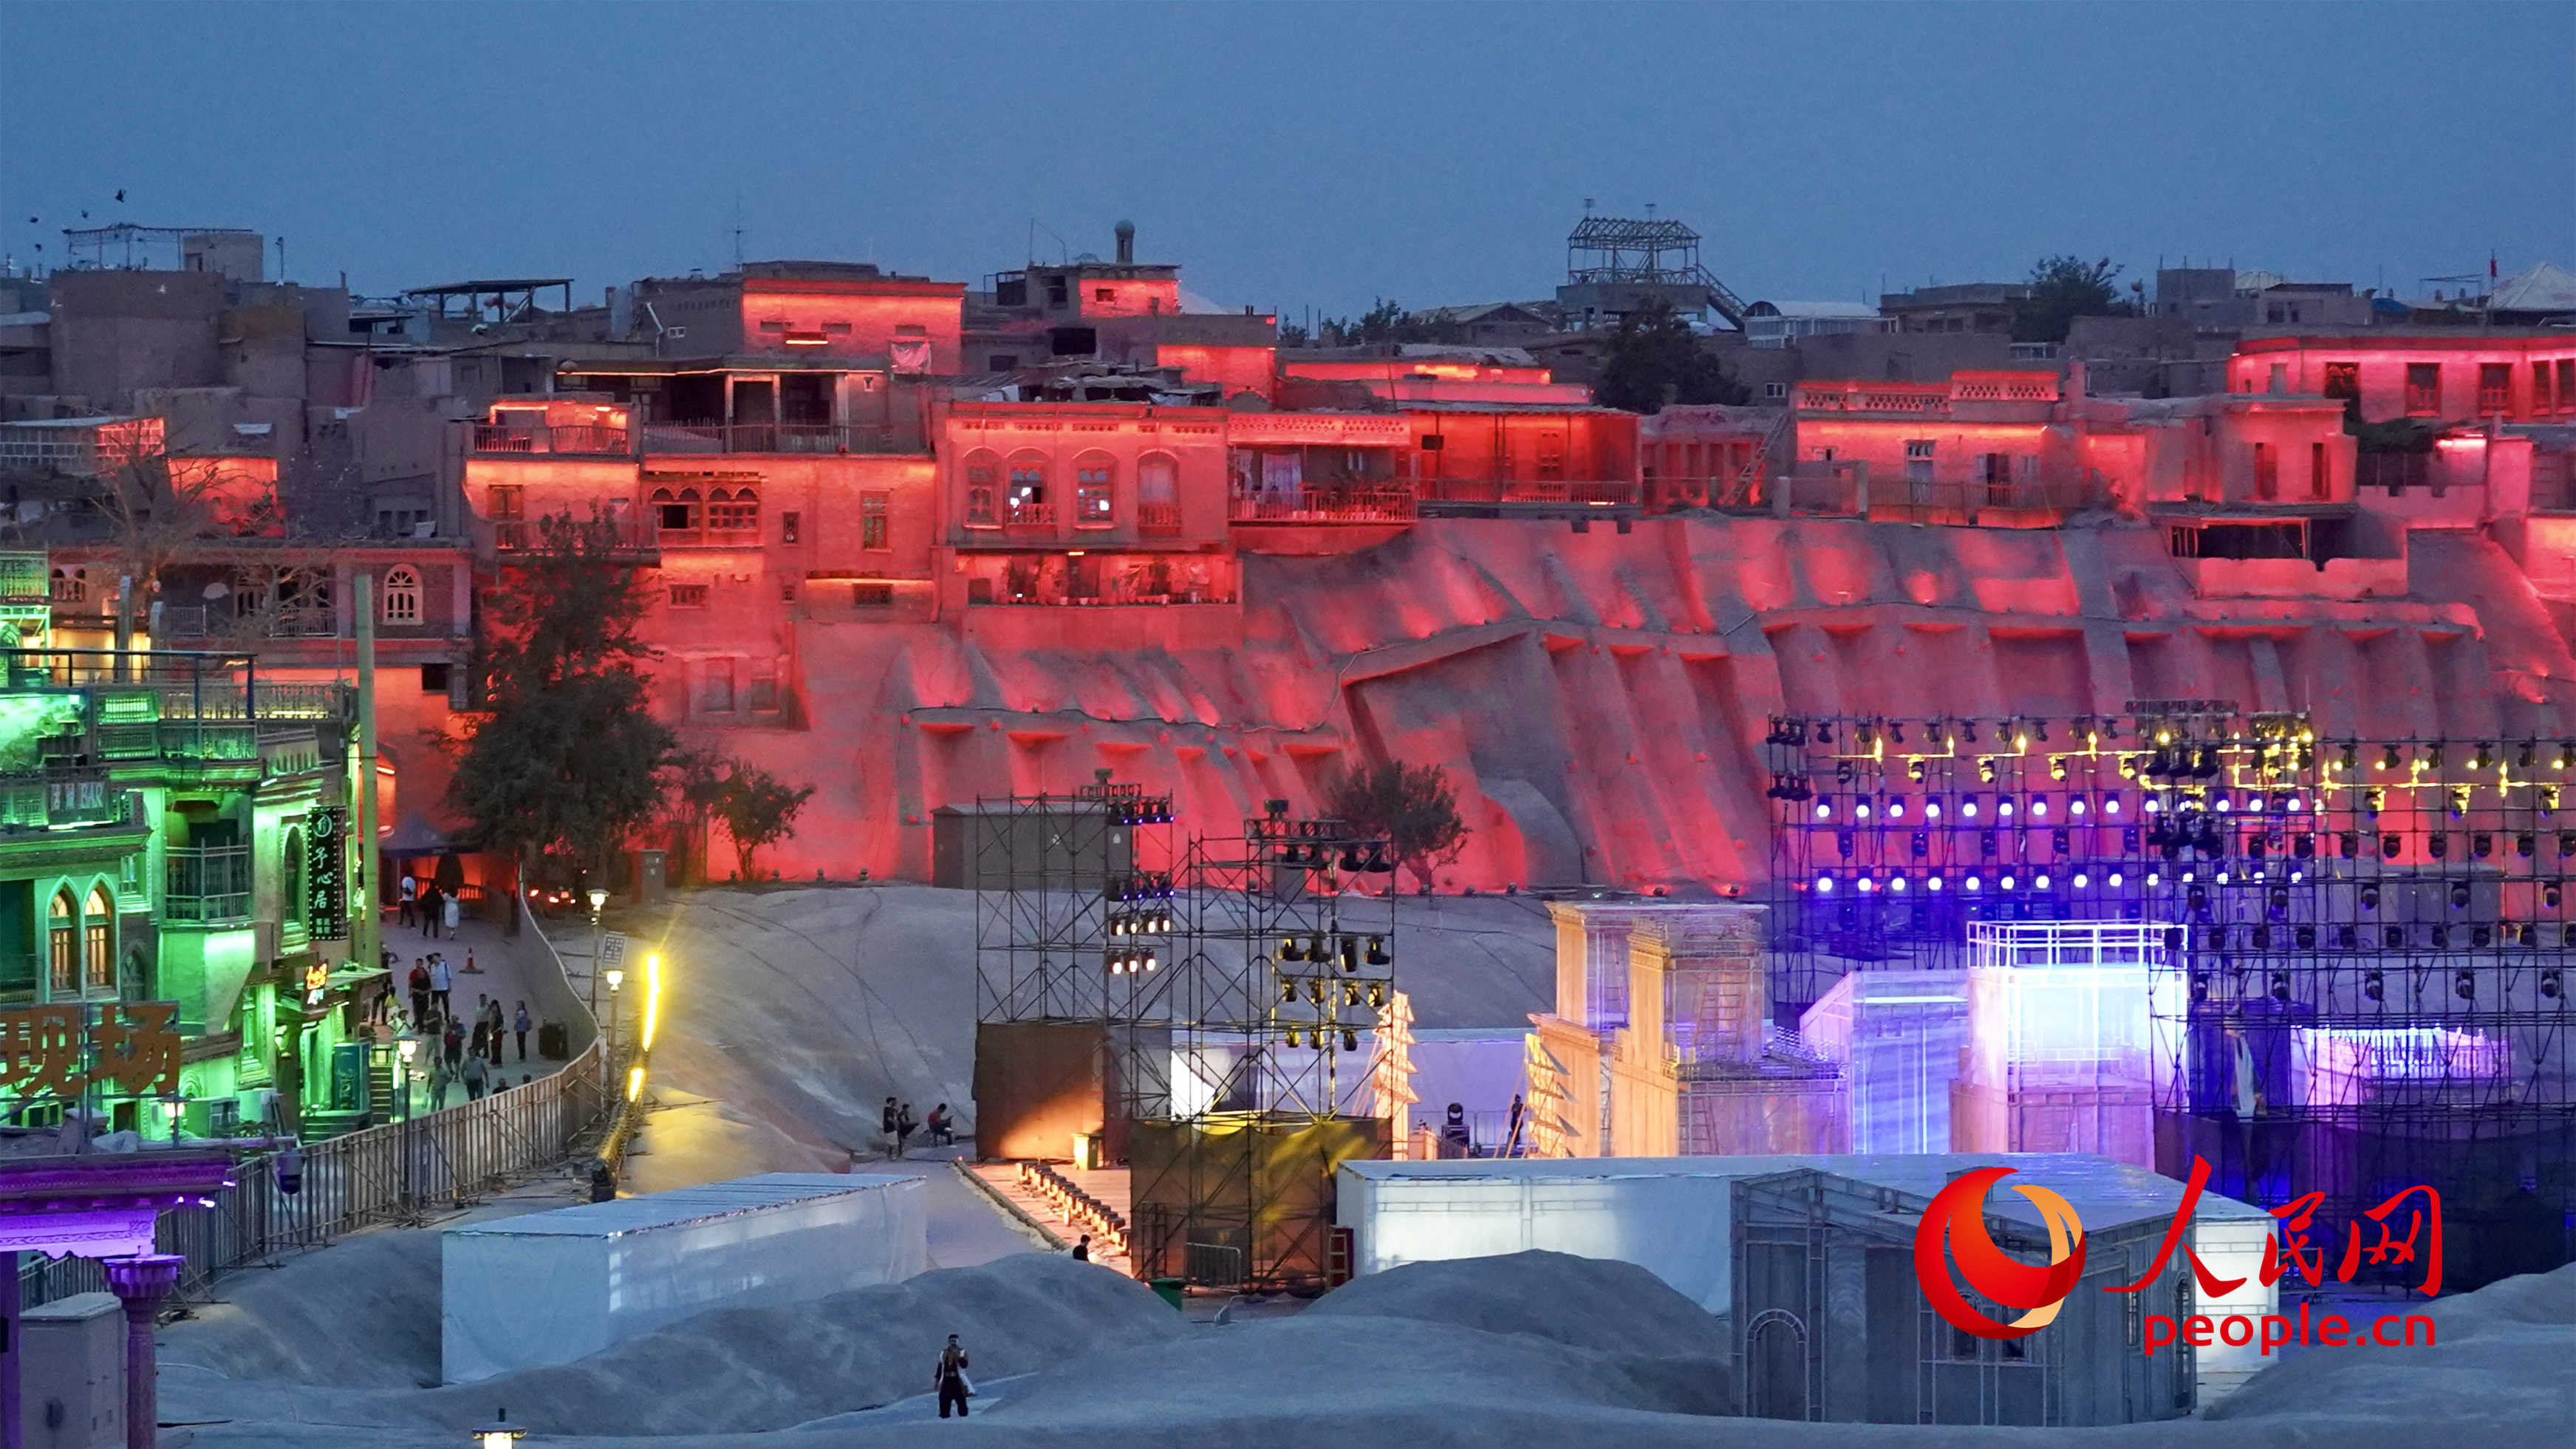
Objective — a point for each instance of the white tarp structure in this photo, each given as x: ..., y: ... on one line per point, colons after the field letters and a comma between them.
x: 553, y: 1287
x: 1897, y: 1036
x: 1672, y: 1215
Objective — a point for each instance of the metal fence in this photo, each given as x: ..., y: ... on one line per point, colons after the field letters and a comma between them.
x: 397, y: 1173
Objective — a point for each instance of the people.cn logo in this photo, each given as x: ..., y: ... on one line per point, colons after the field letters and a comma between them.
x: 1957, y: 1215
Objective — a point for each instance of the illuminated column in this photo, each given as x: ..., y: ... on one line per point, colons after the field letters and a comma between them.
x: 140, y: 1283
x: 365, y: 922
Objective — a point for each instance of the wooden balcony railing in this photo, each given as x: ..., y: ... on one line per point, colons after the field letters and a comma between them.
x: 1028, y: 518
x: 593, y: 438
x: 827, y: 438
x: 1560, y: 493
x: 1354, y: 505
x: 1158, y: 520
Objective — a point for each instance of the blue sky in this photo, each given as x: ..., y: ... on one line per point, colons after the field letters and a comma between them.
x: 1295, y: 155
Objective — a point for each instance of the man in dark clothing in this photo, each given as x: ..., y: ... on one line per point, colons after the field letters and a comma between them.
x: 1082, y: 1250
x: 940, y: 1126
x: 889, y: 1129
x: 419, y: 982
x: 454, y: 1042
x: 950, y: 1378
x: 904, y: 1127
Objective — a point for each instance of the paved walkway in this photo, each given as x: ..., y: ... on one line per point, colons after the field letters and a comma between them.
x: 512, y: 968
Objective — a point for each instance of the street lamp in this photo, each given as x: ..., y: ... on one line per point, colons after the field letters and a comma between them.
x: 406, y: 1047
x: 499, y: 1434
x: 616, y: 977
x: 598, y: 903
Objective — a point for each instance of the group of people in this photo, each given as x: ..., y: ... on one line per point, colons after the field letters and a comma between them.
x: 424, y: 904
x: 464, y: 1048
x: 900, y: 1124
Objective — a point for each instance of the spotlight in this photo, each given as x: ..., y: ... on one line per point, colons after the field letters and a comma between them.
x: 1986, y: 772
x: 2549, y: 895
x: 2522, y: 845
x: 2224, y: 805
x: 1824, y: 885
x: 2110, y: 804
x: 2348, y: 845
x: 2004, y: 807
x: 1350, y: 1040
x: 1896, y: 886
x: 2481, y: 846
x: 1972, y: 885
x: 2392, y: 845
x: 1843, y: 842
x: 2347, y: 939
x: 2465, y: 985
x: 2039, y: 806
x: 2075, y: 807
x: 2480, y: 937
x: 2057, y: 769
x: 1862, y: 885
x: 2370, y: 898
x: 2395, y: 939
x: 1288, y: 990
x: 1968, y: 808
x: 1920, y: 845
x: 1376, y: 951
x: 1288, y: 949
x: 1896, y: 808
x: 1350, y: 948
x: 1931, y: 809
x: 1824, y: 810
x: 2008, y: 882
x: 1932, y: 884
x: 2551, y: 983
x: 2388, y: 759
x: 2081, y: 880
x: 1914, y: 771
x: 1860, y: 810
x: 2437, y: 844
x: 1315, y: 948
x: 1293, y: 1038
x: 2113, y: 880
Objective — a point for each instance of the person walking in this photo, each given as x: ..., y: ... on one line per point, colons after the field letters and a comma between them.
x: 419, y: 982
x: 452, y: 1042
x: 437, y: 1081
x: 481, y: 1043
x: 950, y: 1378
x: 1082, y: 1250
x: 904, y: 1127
x: 441, y: 982
x: 448, y: 912
x: 477, y: 1076
x: 429, y: 910
x: 520, y: 1024
x: 407, y: 898
x: 888, y: 1145
x: 500, y: 1029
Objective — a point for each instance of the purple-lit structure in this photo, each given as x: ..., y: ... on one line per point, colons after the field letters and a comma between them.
x: 102, y: 1205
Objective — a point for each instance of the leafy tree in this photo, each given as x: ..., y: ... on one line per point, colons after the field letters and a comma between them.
x: 2063, y: 288
x: 1413, y: 806
x: 695, y: 787
x: 565, y: 760
x: 757, y: 808
x: 1653, y: 358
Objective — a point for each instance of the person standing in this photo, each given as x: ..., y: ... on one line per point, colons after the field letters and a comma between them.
x: 476, y: 1078
x: 407, y: 897
x: 904, y: 1127
x: 520, y: 1024
x: 452, y: 1042
x: 448, y: 912
x: 481, y: 1044
x: 950, y: 1378
x: 419, y: 982
x: 441, y: 982
x: 428, y: 909
x: 500, y: 1029
x: 888, y: 1145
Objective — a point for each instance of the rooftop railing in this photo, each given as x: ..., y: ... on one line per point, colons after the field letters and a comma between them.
x: 590, y: 438
x: 1355, y: 505
x: 1539, y: 493
x: 824, y: 438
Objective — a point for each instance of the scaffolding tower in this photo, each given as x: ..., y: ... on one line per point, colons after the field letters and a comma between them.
x: 1637, y: 257
x: 2361, y: 946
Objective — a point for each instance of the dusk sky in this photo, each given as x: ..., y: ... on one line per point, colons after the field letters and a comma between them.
x: 1305, y: 155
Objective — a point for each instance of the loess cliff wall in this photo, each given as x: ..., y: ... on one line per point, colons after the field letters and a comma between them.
x: 1599, y: 698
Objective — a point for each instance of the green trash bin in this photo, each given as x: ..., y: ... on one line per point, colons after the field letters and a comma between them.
x: 1169, y: 1290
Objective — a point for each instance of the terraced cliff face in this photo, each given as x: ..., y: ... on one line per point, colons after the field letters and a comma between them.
x: 1599, y: 698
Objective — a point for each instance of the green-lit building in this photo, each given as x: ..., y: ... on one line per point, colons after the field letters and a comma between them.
x: 172, y: 829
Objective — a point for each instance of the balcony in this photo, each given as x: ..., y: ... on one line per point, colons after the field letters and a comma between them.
x: 1158, y: 520
x: 1029, y: 520
x: 807, y: 438
x: 1320, y: 505
x: 1846, y: 490
x: 633, y: 540
x: 207, y: 884
x: 1503, y: 497
x: 594, y: 439
x: 60, y: 796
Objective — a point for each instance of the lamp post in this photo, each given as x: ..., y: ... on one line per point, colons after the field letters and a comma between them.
x: 598, y: 903
x: 616, y: 978
x: 406, y: 1047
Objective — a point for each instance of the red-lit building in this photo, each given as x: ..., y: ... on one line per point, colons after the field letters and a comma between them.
x: 2446, y: 376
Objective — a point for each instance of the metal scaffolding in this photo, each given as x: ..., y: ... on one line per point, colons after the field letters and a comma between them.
x: 2361, y: 974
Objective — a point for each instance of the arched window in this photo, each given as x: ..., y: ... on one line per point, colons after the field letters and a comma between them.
x: 293, y: 908
x: 981, y: 471
x: 675, y: 512
x: 98, y: 940
x: 1094, y: 503
x: 70, y: 585
x: 402, y: 595
x: 1028, y: 483
x: 736, y: 510
x: 62, y: 941
x: 1158, y: 495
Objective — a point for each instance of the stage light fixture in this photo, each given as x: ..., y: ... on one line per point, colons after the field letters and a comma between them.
x: 1896, y: 808
x: 2370, y: 897
x: 1914, y: 771
x: 2522, y: 845
x: 1932, y: 884
x: 1972, y: 885
x: 2057, y: 769
x: 2464, y: 984
x: 1862, y: 885
x: 2004, y: 807
x: 2081, y: 880
x: 1931, y: 809
x: 2395, y: 939
x: 2373, y: 984
x: 2481, y: 846
x: 1860, y: 810
x: 2388, y: 758
x: 1824, y: 885
x: 1968, y: 808
x: 1985, y: 772
x: 1377, y: 955
x: 2008, y: 882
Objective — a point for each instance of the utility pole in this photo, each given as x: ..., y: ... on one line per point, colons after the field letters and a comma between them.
x: 365, y: 922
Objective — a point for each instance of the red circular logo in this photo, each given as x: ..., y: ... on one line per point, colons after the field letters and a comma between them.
x: 1957, y: 1214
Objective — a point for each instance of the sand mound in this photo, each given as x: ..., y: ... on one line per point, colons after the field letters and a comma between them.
x: 1586, y: 1303
x: 2499, y: 1369
x: 768, y: 1368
